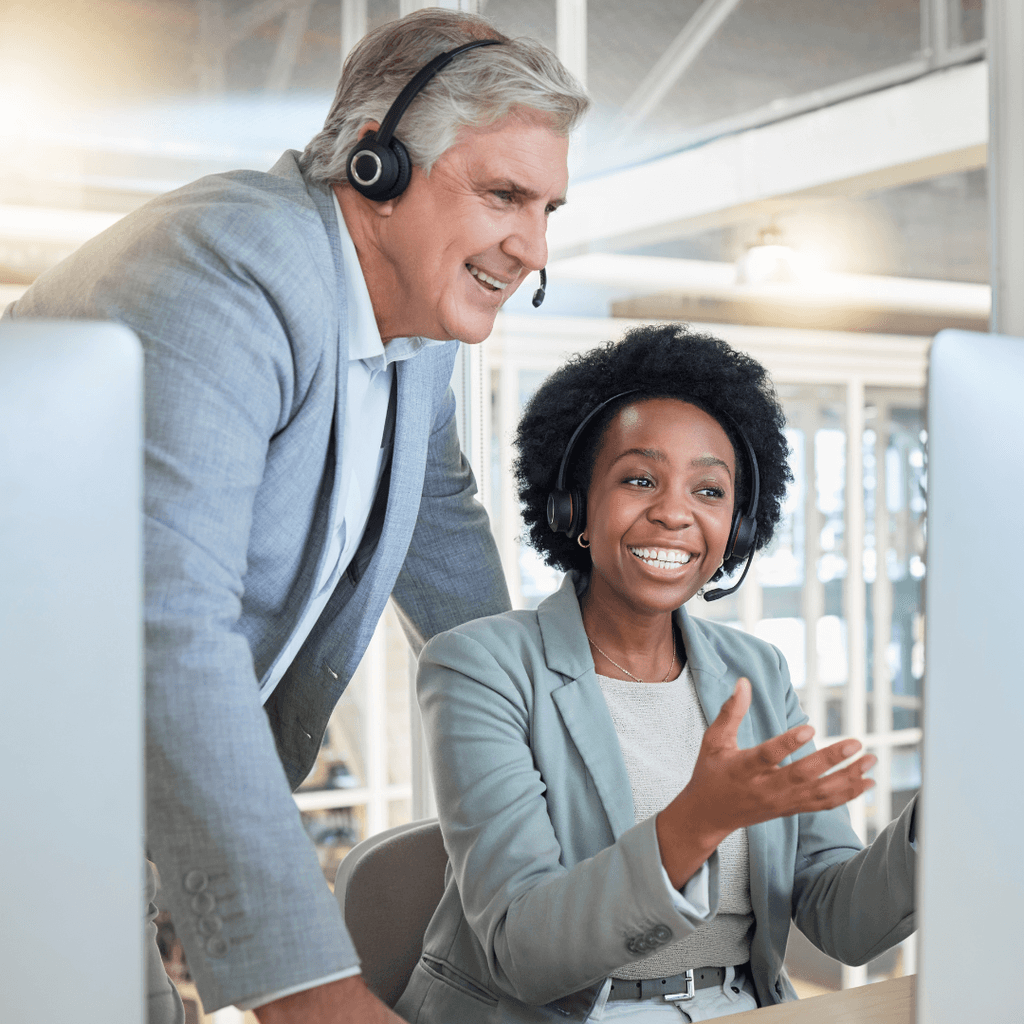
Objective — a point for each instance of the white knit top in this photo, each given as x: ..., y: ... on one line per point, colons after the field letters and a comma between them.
x: 660, y: 727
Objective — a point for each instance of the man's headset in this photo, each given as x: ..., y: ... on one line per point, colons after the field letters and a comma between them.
x: 567, y: 505
x: 378, y: 164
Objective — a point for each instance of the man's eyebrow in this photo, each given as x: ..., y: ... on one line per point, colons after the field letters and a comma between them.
x: 521, y: 191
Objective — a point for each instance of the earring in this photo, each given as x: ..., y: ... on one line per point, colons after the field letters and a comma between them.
x: 579, y: 540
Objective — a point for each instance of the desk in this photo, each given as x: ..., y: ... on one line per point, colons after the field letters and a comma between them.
x: 886, y: 1002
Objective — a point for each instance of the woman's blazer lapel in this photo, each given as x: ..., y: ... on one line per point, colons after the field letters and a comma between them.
x: 581, y: 704
x: 715, y: 681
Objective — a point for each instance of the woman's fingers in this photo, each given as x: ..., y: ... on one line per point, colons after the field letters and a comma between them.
x: 826, y: 759
x: 722, y: 731
x: 817, y: 792
x: 742, y: 787
x: 772, y: 751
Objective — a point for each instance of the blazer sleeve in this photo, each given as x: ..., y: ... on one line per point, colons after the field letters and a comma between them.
x: 546, y: 929
x: 220, y: 297
x: 852, y: 902
x: 452, y: 572
x: 857, y: 908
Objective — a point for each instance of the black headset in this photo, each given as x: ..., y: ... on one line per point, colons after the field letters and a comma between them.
x: 567, y: 505
x: 378, y: 164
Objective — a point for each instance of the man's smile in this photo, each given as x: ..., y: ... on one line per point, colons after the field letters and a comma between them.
x: 492, y: 282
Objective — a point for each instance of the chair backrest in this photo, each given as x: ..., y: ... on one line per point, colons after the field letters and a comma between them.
x: 388, y: 887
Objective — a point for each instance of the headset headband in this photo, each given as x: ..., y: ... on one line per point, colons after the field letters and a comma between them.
x: 567, y: 454
x: 417, y: 82
x: 755, y: 486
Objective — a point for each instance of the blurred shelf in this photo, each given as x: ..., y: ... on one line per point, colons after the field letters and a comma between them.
x: 329, y: 799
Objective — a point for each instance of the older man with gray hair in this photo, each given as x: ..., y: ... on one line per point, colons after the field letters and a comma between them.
x: 302, y: 463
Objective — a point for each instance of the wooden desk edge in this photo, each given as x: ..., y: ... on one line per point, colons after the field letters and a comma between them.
x: 885, y: 1002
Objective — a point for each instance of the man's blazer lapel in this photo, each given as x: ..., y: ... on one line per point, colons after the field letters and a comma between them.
x: 323, y: 199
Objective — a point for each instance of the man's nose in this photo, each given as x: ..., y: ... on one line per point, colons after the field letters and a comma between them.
x: 528, y: 242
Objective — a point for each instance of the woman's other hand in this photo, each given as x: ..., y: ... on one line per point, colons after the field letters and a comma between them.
x: 733, y: 788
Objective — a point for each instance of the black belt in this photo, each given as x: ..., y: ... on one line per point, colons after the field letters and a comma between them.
x: 676, y: 988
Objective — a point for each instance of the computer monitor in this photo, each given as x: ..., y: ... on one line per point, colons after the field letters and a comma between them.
x: 971, y: 888
x: 71, y: 832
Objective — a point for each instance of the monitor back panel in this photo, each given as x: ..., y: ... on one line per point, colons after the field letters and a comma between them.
x: 971, y: 887
x: 71, y: 837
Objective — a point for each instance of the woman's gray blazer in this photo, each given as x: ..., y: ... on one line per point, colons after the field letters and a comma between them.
x: 551, y: 884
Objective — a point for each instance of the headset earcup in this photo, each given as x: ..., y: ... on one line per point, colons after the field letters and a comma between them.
x: 559, y: 511
x: 579, y: 513
x: 403, y: 172
x: 371, y: 167
x: 741, y: 538
x: 566, y: 512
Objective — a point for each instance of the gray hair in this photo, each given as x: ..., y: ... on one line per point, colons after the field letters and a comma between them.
x: 478, y: 89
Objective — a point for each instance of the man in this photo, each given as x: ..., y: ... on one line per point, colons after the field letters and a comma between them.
x: 302, y: 465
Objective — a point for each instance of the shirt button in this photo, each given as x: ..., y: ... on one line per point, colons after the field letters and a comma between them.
x: 210, y: 925
x: 203, y: 902
x: 196, y: 881
x: 217, y: 946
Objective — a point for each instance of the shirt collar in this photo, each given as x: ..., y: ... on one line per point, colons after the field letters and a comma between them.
x: 364, y: 341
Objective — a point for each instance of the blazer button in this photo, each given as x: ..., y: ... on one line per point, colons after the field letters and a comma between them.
x: 210, y: 925
x: 662, y: 933
x: 217, y: 946
x: 203, y: 902
x: 196, y: 881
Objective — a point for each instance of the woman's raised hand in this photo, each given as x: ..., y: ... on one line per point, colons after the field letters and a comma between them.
x: 733, y: 788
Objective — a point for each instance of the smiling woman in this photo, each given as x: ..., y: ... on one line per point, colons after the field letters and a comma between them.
x: 630, y: 801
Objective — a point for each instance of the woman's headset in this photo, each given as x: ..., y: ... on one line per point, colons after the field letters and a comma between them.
x: 567, y: 504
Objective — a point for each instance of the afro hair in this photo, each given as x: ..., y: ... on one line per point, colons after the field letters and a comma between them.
x: 655, y: 361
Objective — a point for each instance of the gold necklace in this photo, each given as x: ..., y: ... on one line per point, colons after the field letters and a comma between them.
x: 636, y: 679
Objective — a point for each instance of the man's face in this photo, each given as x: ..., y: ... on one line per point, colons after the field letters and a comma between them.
x: 460, y: 241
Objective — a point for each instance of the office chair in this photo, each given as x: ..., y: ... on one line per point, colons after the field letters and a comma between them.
x: 388, y: 887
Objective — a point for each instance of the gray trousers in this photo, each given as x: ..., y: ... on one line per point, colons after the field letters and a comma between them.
x: 163, y: 1002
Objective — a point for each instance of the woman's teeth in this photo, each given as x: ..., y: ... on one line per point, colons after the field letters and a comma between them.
x: 486, y: 278
x: 662, y: 558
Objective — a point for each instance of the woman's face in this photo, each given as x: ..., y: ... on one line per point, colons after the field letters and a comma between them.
x: 659, y: 507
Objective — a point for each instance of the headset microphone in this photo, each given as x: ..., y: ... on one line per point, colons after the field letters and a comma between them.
x: 714, y: 595
x: 538, y: 295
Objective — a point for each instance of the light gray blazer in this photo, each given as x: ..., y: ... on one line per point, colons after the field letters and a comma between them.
x: 552, y: 886
x: 234, y: 285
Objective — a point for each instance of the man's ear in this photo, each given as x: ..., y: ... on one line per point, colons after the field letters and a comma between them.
x: 370, y: 126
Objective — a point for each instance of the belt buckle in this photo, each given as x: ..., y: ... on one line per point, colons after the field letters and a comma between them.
x: 686, y: 994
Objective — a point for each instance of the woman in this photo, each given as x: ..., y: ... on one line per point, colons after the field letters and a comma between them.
x: 615, y: 779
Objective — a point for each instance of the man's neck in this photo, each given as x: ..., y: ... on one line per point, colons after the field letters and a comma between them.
x: 377, y: 271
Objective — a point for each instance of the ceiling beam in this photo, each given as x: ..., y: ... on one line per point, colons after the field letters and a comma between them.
x: 792, y: 355
x: 289, y: 41
x: 680, y: 54
x: 571, y: 33
x: 934, y: 125
x: 707, y: 279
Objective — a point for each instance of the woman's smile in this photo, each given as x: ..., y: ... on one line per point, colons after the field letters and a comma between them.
x: 661, y: 558
x: 659, y: 505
